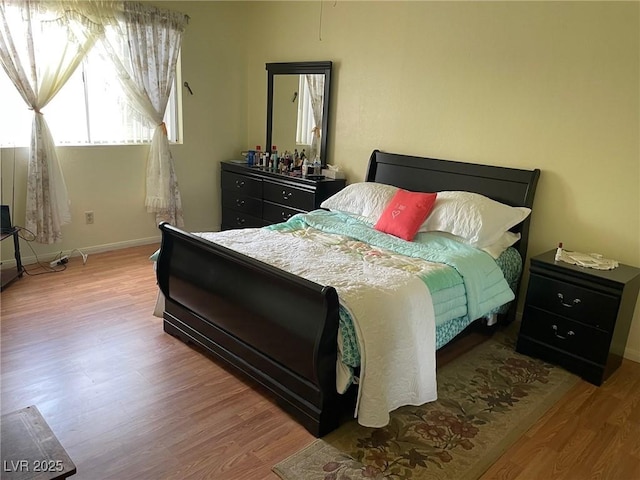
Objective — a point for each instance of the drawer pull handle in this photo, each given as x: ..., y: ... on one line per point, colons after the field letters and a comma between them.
x: 239, y: 183
x: 240, y: 221
x: 570, y: 333
x: 575, y: 302
x: 286, y: 195
x: 286, y: 216
x: 239, y: 202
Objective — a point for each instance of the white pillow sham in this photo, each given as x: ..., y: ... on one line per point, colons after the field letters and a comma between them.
x: 365, y: 199
x: 506, y: 240
x: 480, y: 220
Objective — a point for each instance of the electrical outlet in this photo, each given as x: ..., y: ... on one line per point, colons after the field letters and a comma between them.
x: 88, y: 217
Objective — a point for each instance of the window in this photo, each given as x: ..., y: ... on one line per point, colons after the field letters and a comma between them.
x: 90, y: 109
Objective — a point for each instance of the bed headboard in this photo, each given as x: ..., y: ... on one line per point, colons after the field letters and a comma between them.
x: 511, y: 186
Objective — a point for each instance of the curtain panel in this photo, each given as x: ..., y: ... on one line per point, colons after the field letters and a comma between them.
x: 41, y: 45
x: 147, y: 66
x: 316, y: 91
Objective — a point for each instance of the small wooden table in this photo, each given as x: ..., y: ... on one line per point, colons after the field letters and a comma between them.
x: 30, y: 450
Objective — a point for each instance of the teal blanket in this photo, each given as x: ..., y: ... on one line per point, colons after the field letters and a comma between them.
x: 485, y: 285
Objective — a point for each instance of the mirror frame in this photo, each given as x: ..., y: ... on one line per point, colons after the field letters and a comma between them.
x: 301, y: 68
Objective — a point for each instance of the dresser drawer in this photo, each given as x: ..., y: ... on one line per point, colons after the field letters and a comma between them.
x: 241, y: 184
x: 236, y: 201
x: 274, y: 213
x: 236, y: 219
x: 573, y: 301
x: 564, y: 334
x: 290, y: 196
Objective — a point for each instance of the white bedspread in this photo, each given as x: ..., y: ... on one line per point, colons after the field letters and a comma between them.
x: 391, y: 309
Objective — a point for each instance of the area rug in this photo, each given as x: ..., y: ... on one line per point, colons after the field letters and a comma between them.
x: 487, y: 398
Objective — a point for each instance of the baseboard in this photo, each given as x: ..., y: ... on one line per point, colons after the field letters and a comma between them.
x: 632, y: 354
x: 106, y: 247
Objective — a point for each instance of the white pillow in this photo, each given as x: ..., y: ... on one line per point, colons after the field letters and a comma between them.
x: 474, y: 217
x: 366, y: 199
x: 505, y: 241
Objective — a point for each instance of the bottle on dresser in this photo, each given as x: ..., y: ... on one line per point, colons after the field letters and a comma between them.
x: 274, y: 158
x: 296, y: 159
x: 257, y: 158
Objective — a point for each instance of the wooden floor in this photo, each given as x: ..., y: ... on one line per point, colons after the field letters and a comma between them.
x: 128, y: 401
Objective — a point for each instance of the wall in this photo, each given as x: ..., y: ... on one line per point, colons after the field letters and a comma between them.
x: 552, y: 85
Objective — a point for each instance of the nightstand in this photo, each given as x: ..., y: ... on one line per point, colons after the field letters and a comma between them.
x: 578, y: 317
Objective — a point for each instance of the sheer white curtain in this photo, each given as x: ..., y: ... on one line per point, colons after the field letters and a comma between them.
x: 305, y: 120
x: 41, y: 44
x: 316, y: 91
x: 144, y: 43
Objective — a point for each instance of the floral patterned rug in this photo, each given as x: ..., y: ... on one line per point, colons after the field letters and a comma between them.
x: 487, y: 398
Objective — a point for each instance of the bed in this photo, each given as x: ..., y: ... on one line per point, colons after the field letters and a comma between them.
x: 282, y: 329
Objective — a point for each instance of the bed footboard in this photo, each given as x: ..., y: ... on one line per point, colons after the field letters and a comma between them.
x: 275, y: 327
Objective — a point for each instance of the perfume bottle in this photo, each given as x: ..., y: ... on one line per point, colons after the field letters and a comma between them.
x: 559, y: 252
x: 274, y: 158
x: 257, y: 160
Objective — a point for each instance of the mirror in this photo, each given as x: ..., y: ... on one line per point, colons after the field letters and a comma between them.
x: 298, y: 108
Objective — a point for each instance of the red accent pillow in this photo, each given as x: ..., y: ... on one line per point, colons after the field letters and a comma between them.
x: 405, y: 213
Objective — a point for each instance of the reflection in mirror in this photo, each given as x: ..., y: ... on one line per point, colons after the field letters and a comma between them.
x: 298, y: 108
x: 297, y: 113
x: 285, y: 113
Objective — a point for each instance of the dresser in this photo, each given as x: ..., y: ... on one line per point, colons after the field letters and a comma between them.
x: 578, y: 317
x: 255, y: 197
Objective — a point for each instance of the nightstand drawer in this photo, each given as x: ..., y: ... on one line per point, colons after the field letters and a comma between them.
x: 241, y: 184
x: 275, y: 213
x: 566, y: 335
x: 289, y: 196
x: 241, y: 203
x: 573, y: 301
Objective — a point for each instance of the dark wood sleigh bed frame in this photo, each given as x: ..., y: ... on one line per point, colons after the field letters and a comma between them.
x: 280, y: 329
